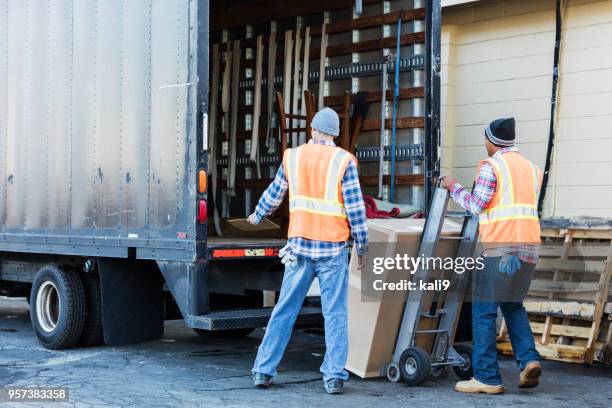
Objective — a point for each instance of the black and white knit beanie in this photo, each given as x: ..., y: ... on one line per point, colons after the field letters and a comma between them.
x: 501, y: 132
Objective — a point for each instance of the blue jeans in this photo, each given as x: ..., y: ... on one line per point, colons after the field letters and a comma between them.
x: 492, y: 290
x: 333, y: 281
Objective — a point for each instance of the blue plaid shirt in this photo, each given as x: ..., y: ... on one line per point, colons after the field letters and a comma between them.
x: 353, y: 203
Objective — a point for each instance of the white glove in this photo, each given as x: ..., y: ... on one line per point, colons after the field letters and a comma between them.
x: 252, y: 219
x: 287, y: 256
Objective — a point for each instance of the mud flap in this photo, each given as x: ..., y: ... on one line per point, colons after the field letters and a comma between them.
x: 132, y: 302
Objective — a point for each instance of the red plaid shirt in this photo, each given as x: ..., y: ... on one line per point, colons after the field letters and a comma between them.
x: 476, y: 201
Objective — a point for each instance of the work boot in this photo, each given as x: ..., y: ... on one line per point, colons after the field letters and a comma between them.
x: 474, y: 386
x: 261, y: 380
x: 530, y: 376
x: 334, y: 386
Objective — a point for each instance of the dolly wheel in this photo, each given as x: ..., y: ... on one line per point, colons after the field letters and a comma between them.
x: 415, y: 366
x: 440, y: 372
x: 465, y: 371
x: 393, y: 373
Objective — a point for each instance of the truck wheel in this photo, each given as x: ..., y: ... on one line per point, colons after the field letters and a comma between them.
x: 93, y: 334
x: 58, y: 307
x: 466, y: 371
x: 414, y: 365
x: 224, y: 333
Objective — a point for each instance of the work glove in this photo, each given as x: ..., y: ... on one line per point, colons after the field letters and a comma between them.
x: 252, y: 219
x: 509, y: 264
x: 287, y: 257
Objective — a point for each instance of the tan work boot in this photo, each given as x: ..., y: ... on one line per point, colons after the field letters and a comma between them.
x: 530, y: 376
x: 474, y: 386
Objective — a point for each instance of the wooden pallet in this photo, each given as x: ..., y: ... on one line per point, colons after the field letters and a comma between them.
x: 569, y: 297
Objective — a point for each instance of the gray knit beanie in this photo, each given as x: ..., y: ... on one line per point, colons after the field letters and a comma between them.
x: 326, y: 121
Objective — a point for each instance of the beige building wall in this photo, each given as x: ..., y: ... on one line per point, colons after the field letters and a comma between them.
x: 497, y: 60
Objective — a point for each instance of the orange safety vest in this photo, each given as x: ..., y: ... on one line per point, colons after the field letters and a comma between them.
x: 316, y: 207
x: 512, y: 214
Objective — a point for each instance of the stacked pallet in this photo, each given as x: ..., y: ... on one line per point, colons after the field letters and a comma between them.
x: 569, y: 302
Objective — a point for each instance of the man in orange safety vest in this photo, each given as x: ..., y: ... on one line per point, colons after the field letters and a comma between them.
x: 325, y: 208
x: 505, y: 199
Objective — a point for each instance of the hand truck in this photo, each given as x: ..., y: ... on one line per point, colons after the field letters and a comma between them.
x: 411, y: 363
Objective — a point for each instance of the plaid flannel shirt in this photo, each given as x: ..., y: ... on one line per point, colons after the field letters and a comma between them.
x: 353, y: 203
x: 478, y: 200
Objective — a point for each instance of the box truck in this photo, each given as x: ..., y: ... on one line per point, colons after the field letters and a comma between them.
x: 104, y: 201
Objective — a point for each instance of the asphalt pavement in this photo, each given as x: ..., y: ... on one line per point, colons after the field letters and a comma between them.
x: 185, y: 370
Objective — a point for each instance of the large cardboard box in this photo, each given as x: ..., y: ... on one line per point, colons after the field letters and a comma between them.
x: 374, y: 322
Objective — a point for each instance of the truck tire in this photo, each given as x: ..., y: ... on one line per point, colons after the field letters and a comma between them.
x: 58, y: 307
x: 93, y: 334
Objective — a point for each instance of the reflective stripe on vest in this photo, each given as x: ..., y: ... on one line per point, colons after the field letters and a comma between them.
x: 329, y: 205
x: 317, y: 206
x: 293, y: 170
x: 333, y: 175
x: 512, y: 212
x: 508, y: 209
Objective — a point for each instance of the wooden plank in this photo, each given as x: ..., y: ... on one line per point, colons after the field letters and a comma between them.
x: 295, y: 96
x: 322, y: 60
x: 359, y: 23
x: 559, y: 308
x: 233, y: 14
x: 362, y: 46
x: 590, y: 250
x: 600, y: 299
x: 561, y: 330
x: 372, y: 21
x: 372, y: 45
x: 567, y: 243
x: 243, y: 225
x: 402, y: 123
x: 559, y: 352
x: 375, y: 96
x: 541, y: 285
x: 400, y: 180
x: 571, y: 266
x: 577, y: 233
x: 255, y: 133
